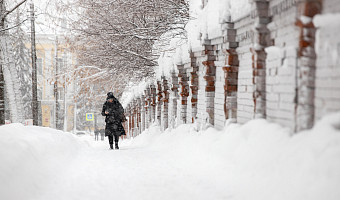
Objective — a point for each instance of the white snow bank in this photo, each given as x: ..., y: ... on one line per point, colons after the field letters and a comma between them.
x: 31, y: 157
x: 255, y: 161
x: 258, y: 160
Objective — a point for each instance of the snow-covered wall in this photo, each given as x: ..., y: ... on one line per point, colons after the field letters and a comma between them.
x: 281, y: 64
x: 245, y: 38
x: 273, y: 59
x: 219, y: 101
x: 327, y: 90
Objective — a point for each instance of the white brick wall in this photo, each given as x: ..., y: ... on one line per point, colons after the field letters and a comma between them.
x: 245, y: 103
x: 201, y: 96
x: 327, y: 92
x: 219, y: 99
x: 280, y: 87
x: 281, y: 66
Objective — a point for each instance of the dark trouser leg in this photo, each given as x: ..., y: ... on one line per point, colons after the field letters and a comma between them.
x: 111, y: 141
x: 116, y: 141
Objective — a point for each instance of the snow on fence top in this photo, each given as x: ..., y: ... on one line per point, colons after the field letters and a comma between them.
x: 205, y: 23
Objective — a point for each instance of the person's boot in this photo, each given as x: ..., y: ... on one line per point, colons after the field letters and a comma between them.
x: 116, y: 146
x: 111, y: 146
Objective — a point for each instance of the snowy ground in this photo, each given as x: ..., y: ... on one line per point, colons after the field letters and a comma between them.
x: 255, y: 161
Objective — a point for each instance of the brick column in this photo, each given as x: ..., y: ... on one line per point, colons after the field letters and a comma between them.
x: 153, y: 102
x: 184, y: 91
x: 230, y: 71
x: 194, y: 86
x: 165, y: 122
x: 174, y: 90
x: 143, y: 112
x: 210, y: 77
x: 139, y: 114
x: 262, y: 39
x: 159, y: 102
x: 130, y: 120
x: 135, y: 120
x: 306, y: 64
x: 148, y: 102
x: 127, y: 123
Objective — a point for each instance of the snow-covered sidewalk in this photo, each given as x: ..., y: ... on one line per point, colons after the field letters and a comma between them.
x: 258, y: 160
x: 133, y: 172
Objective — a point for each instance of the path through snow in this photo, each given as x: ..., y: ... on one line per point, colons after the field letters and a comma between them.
x: 132, y: 172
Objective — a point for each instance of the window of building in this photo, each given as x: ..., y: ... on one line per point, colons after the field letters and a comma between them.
x: 39, y: 66
x: 60, y: 93
x: 60, y: 64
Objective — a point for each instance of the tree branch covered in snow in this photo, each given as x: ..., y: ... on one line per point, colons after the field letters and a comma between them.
x: 8, y: 73
x: 119, y: 35
x: 7, y: 12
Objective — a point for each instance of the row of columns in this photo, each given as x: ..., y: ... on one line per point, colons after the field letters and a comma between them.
x: 141, y: 111
x: 184, y: 84
x: 176, y: 89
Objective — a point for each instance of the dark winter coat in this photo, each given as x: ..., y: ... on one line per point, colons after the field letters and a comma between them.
x: 114, y: 118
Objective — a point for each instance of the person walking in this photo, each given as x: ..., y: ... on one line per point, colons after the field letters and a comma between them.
x: 96, y: 134
x: 114, y: 116
x: 102, y: 133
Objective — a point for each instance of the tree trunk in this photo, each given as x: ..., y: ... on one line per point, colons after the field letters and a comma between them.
x: 8, y: 72
x: 2, y: 81
x: 2, y: 97
x: 12, y: 82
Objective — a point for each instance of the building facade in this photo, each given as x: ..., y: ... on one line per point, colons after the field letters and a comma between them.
x: 55, y: 70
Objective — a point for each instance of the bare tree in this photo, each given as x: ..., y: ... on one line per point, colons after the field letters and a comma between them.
x: 119, y: 35
x: 115, y: 42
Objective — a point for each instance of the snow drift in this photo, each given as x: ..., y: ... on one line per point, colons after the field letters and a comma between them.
x: 31, y: 157
x: 258, y: 160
